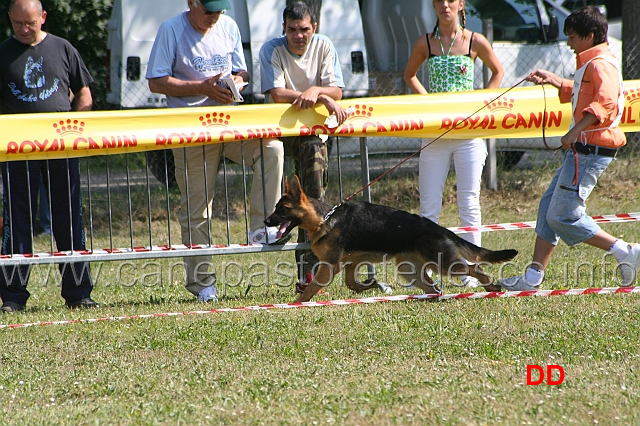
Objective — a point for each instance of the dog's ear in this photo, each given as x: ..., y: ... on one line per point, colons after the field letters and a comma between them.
x: 296, y: 189
x: 287, y: 187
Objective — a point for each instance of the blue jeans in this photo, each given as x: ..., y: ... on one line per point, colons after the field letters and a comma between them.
x: 562, y: 210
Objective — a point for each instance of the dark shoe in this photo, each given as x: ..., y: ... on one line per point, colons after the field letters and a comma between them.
x: 86, y: 303
x: 11, y: 307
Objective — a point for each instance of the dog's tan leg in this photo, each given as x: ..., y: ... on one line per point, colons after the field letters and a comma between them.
x: 413, y: 273
x: 476, y: 272
x: 425, y: 283
x: 324, y: 276
x: 351, y: 280
x: 492, y: 287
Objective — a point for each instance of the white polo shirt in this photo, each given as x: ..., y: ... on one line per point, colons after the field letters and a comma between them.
x: 280, y: 68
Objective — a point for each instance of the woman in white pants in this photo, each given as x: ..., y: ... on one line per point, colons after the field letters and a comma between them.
x: 450, y: 51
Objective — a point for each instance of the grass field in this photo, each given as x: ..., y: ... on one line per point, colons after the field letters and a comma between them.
x: 454, y: 362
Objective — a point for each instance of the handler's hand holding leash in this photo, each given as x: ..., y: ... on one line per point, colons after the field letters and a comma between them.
x: 576, y: 132
x: 545, y: 77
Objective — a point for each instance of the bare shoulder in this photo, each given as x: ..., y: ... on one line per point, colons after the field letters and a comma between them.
x: 478, y: 38
x: 421, y: 45
x: 480, y: 46
x: 424, y: 39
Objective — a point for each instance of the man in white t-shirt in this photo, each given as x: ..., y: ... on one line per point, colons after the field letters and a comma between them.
x: 302, y: 68
x: 191, y: 53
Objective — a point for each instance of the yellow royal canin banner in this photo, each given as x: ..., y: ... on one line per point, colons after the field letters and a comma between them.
x: 518, y: 113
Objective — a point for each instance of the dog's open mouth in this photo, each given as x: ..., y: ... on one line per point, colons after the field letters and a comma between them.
x: 284, y: 229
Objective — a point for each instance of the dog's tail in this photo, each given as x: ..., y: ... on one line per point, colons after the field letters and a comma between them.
x: 476, y: 254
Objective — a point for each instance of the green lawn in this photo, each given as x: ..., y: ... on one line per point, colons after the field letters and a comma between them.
x: 416, y: 362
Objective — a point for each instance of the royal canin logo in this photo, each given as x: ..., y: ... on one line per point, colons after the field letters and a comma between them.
x: 629, y: 116
x: 501, y: 114
x: 360, y: 113
x: 632, y: 96
x: 68, y: 127
x: 361, y: 119
x: 504, y: 104
x: 215, y: 119
x: 69, y: 136
x: 217, y: 128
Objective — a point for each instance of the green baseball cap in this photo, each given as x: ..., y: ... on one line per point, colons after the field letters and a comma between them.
x: 215, y: 5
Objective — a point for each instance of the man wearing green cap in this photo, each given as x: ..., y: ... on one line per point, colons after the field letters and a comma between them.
x: 191, y: 53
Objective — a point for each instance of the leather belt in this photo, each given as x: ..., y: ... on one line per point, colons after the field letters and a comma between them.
x: 595, y: 150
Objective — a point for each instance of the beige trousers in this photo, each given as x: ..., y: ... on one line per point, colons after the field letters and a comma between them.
x: 196, y: 197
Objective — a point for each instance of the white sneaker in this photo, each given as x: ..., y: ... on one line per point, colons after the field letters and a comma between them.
x: 385, y: 288
x: 469, y: 281
x: 629, y: 266
x: 267, y: 235
x: 208, y: 294
x: 518, y: 283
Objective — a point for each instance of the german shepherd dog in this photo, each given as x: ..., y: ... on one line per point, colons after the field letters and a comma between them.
x: 357, y: 232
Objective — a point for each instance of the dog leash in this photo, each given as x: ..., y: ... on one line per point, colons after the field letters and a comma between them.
x: 434, y: 140
x: 544, y: 137
x: 544, y: 122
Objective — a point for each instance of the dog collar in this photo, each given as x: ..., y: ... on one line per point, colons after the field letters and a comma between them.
x: 333, y: 209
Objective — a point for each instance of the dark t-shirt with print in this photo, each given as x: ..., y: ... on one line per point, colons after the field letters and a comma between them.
x: 38, y: 78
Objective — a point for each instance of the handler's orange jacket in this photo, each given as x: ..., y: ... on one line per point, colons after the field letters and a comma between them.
x: 598, y: 95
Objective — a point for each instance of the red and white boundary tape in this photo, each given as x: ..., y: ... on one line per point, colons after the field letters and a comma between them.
x: 397, y: 298
x: 611, y: 218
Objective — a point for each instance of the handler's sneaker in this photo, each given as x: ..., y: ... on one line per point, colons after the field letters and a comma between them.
x: 385, y: 288
x: 267, y: 235
x: 630, y: 265
x: 518, y: 283
x: 208, y: 294
x: 469, y: 281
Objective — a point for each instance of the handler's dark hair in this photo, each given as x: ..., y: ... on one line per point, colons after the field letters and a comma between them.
x: 297, y: 11
x: 585, y: 21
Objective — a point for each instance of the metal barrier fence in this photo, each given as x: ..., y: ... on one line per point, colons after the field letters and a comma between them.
x: 130, y: 207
